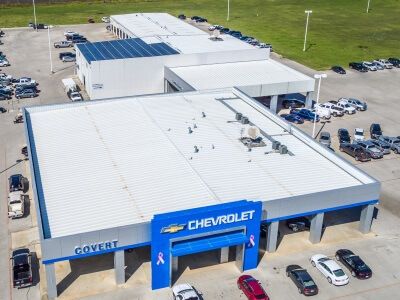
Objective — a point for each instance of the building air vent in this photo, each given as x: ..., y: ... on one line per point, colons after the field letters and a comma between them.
x: 283, y: 149
x: 275, y: 145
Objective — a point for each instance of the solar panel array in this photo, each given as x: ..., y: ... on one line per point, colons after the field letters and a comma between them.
x: 120, y: 49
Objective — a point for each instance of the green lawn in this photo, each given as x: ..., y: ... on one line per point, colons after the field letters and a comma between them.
x: 340, y: 30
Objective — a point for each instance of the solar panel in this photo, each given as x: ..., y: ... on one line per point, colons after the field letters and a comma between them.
x: 121, y: 49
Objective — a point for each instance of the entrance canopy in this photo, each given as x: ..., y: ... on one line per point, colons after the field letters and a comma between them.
x: 208, y: 243
x: 255, y: 78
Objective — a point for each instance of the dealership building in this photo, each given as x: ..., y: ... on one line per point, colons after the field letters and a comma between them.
x: 158, y: 53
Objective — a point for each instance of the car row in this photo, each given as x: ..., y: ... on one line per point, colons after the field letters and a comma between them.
x: 375, y: 65
x: 24, y: 87
x: 74, y: 37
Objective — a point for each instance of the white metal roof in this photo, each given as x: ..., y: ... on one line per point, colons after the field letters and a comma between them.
x: 241, y: 74
x: 154, y: 24
x: 118, y: 162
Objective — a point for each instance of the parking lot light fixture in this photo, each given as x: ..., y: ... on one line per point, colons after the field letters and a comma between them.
x: 368, y: 6
x: 227, y: 16
x: 319, y: 78
x: 51, y: 62
x: 34, y: 14
x: 308, y: 12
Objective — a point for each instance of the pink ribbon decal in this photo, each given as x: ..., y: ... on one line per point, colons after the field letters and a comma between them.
x: 251, y: 242
x: 160, y: 259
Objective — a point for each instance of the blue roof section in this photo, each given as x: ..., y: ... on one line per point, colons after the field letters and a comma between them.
x: 121, y: 49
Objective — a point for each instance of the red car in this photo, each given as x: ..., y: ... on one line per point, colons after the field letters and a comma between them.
x: 252, y: 288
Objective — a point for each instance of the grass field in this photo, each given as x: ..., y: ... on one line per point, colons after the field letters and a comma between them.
x: 340, y: 30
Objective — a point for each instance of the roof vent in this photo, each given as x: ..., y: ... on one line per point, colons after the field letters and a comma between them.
x: 244, y: 120
x: 190, y: 130
x: 196, y: 149
x: 203, y: 114
x: 275, y: 145
x: 238, y: 116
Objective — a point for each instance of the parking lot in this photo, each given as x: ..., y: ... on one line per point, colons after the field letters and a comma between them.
x: 28, y: 54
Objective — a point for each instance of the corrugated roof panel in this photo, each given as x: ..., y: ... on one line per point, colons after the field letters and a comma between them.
x: 114, y: 163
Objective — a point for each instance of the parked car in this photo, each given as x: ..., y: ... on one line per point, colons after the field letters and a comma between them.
x: 29, y: 86
x: 371, y: 149
x: 63, y: 44
x: 185, y: 291
x: 325, y: 138
x: 105, y: 19
x: 343, y: 136
x: 355, y: 151
x: 393, y: 142
x: 293, y: 118
x: 24, y: 151
x: 182, y: 17
x: 67, y: 58
x: 335, y: 110
x: 303, y: 281
x: 298, y: 224
x: 369, y: 65
x: 265, y: 46
x: 2, y: 109
x: 75, y: 96
x: 26, y: 93
x: 305, y: 114
x: 4, y: 63
x: 347, y: 108
x: 384, y: 63
x: 16, y: 182
x: 39, y: 26
x: 354, y: 263
x: 375, y: 131
x: 70, y: 33
x: 16, y: 204
x: 330, y: 269
x: 225, y: 30
x: 378, y: 66
x: 292, y: 103
x: 359, y: 134
x: 21, y: 268
x: 394, y: 61
x: 357, y: 104
x: 62, y: 54
x: 338, y: 69
x: 24, y: 81
x: 381, y: 145
x: 79, y: 41
x: 4, y: 96
x: 251, y: 288
x: 358, y: 67
x: 74, y: 36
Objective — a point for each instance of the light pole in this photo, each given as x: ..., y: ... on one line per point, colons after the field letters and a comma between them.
x: 308, y: 12
x: 227, y: 16
x: 319, y: 77
x: 51, y: 62
x: 34, y: 14
x: 368, y: 6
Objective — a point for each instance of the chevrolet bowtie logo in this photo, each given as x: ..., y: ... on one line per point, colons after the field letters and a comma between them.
x: 174, y: 228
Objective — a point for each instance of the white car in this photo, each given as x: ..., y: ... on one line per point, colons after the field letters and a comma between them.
x: 105, y: 19
x: 370, y: 66
x: 16, y: 204
x: 75, y: 96
x: 4, y: 63
x: 330, y: 269
x: 357, y: 104
x: 4, y: 76
x: 322, y: 112
x: 348, y: 109
x: 70, y: 33
x: 25, y: 81
x: 335, y: 110
x: 384, y: 63
x: 359, y: 134
x: 185, y: 292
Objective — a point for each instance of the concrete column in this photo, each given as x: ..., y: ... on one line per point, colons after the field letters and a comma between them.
x: 274, y: 104
x: 367, y: 213
x: 119, y: 266
x: 272, y: 236
x: 239, y: 257
x: 316, y: 228
x: 224, y: 255
x: 51, y: 281
x: 309, y: 99
x: 174, y: 264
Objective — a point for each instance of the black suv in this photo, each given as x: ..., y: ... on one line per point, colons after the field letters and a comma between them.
x: 292, y: 103
x: 62, y: 54
x: 338, y: 69
x: 375, y: 131
x: 343, y: 136
x: 305, y: 284
x: 358, y: 66
x: 21, y: 268
x: 16, y: 182
x: 394, y: 61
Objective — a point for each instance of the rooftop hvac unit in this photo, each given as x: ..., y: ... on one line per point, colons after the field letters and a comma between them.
x: 244, y: 120
x: 275, y: 145
x: 253, y: 132
x: 283, y: 149
x: 238, y: 116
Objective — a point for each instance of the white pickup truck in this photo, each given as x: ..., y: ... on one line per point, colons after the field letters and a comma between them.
x: 25, y: 81
x: 16, y: 204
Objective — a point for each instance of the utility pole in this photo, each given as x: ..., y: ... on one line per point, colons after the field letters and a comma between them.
x: 308, y: 12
